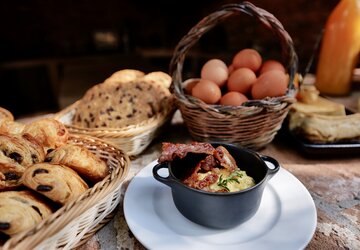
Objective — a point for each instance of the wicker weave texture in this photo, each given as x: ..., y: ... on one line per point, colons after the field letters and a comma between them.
x: 78, y: 220
x: 131, y: 139
x: 256, y: 122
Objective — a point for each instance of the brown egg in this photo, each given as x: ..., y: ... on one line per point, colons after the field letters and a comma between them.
x: 230, y: 69
x: 271, y: 83
x: 190, y: 85
x: 241, y: 80
x: 207, y: 91
x: 216, y: 71
x: 233, y: 98
x: 247, y: 58
x: 272, y: 65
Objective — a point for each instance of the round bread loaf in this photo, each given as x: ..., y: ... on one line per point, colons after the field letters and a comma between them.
x: 120, y: 105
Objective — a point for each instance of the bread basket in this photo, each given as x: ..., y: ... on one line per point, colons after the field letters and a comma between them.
x: 256, y: 122
x: 6, y: 114
x: 131, y: 139
x: 75, y: 222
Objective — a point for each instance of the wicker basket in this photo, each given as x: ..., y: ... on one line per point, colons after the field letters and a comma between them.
x: 252, y: 125
x: 132, y: 139
x: 76, y: 221
x: 6, y: 114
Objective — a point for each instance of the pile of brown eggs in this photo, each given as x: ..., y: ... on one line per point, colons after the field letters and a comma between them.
x: 247, y: 77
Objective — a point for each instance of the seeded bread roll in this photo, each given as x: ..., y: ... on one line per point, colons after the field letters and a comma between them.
x: 23, y: 149
x: 20, y: 211
x: 49, y: 132
x: 81, y: 160
x: 57, y: 182
x: 120, y: 105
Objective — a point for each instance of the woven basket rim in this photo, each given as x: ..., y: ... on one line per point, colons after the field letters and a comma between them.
x: 208, y: 22
x: 72, y: 210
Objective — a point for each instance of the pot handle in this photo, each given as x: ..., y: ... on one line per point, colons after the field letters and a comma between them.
x: 272, y: 171
x: 156, y: 168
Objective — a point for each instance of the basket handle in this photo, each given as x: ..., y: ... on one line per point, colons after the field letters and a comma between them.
x: 189, y: 40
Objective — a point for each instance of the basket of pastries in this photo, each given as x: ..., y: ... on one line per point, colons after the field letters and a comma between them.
x: 241, y: 104
x: 56, y: 189
x: 129, y: 109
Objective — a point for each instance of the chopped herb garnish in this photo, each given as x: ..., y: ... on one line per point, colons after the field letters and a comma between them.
x: 233, y: 177
x: 223, y: 183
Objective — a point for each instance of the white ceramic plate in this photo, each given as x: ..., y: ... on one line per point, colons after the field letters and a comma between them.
x: 286, y: 218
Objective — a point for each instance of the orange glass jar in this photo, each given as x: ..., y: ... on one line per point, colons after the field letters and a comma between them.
x: 339, y: 49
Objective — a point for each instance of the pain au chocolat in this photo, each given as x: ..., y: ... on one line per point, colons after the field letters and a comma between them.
x: 21, y: 210
x: 57, y: 182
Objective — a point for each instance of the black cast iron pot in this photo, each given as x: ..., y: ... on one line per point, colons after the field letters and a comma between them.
x: 219, y: 210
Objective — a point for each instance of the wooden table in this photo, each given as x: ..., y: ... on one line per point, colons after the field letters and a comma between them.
x: 333, y: 182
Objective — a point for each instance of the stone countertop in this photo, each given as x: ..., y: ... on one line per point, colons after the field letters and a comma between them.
x: 333, y: 182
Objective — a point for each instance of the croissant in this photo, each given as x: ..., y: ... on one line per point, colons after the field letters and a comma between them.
x: 57, y: 182
x: 81, y: 160
x: 49, y: 132
x: 11, y: 127
x: 21, y: 210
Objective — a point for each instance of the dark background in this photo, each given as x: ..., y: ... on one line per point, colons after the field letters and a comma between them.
x: 49, y: 55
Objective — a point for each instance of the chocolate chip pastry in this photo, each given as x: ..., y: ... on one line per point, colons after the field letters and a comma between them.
x: 81, y: 160
x: 23, y: 148
x: 21, y: 210
x: 57, y: 182
x: 49, y: 132
x: 10, y: 173
x: 17, y: 152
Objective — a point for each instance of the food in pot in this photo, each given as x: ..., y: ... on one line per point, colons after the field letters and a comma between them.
x: 201, y: 166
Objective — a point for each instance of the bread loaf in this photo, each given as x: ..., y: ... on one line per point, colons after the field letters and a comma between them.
x: 120, y: 105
